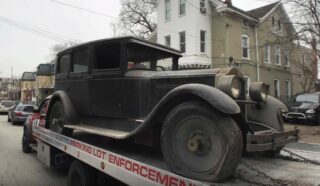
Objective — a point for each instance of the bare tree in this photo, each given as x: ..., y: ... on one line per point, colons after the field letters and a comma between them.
x: 55, y: 49
x: 138, y: 17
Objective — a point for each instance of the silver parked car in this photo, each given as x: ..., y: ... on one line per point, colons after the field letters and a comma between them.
x: 5, y: 105
x: 21, y: 113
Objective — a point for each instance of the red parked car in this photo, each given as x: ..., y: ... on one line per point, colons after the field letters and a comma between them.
x: 38, y: 118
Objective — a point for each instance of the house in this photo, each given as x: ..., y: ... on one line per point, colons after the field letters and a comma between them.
x: 215, y: 33
x: 9, y: 88
x: 28, y: 83
x: 44, y: 85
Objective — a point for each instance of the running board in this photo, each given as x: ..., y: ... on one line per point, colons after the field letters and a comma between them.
x: 117, y: 134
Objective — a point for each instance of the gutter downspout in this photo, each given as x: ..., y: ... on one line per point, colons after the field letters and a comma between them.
x: 257, y: 54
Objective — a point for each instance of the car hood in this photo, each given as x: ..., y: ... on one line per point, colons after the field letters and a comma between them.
x: 301, y: 106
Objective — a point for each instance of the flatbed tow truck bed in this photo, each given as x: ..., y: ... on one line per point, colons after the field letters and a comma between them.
x: 137, y: 165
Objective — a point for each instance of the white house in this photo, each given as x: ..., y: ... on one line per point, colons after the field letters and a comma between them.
x: 186, y: 26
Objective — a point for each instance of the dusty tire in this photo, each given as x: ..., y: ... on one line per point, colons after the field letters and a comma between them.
x: 26, y: 138
x: 81, y: 175
x: 188, y: 136
x: 57, y: 120
x: 9, y: 120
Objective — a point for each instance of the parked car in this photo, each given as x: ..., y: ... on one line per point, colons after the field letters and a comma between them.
x: 304, y: 107
x: 127, y: 88
x: 5, y: 105
x: 21, y: 112
x: 37, y: 118
x: 10, y: 112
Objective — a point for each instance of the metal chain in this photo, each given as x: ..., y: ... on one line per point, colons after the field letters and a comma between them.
x: 302, y: 159
x: 262, y: 174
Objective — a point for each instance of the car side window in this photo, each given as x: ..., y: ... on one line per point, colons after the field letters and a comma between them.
x: 80, y: 60
x: 107, y: 56
x: 64, y: 64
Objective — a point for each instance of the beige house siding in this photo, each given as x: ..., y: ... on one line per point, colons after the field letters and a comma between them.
x: 226, y: 41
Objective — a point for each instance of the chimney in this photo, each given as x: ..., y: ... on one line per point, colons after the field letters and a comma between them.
x: 228, y: 2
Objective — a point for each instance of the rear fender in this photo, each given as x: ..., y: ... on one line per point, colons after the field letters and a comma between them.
x: 70, y: 114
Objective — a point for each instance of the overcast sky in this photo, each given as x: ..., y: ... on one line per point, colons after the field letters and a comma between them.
x: 24, y: 50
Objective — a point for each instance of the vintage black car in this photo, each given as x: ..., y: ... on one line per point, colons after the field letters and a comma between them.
x: 127, y: 88
x: 304, y: 107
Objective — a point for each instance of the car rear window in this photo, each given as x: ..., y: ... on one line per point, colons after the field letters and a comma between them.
x: 7, y: 103
x: 20, y: 108
x: 28, y: 109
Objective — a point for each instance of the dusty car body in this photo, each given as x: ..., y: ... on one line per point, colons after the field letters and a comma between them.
x: 127, y: 88
x: 304, y: 107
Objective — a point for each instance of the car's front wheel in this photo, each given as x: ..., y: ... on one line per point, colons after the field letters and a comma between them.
x: 57, y: 120
x: 198, y: 142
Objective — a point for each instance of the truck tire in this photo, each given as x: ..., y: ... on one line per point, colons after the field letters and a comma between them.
x: 199, y: 142
x: 57, y: 120
x: 26, y: 138
x: 81, y: 174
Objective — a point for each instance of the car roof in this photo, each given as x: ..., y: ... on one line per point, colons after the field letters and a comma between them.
x: 126, y: 39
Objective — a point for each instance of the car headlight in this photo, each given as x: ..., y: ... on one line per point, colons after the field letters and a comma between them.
x: 310, y: 111
x: 231, y: 85
x: 258, y: 91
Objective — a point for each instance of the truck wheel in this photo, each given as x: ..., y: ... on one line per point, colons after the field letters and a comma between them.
x: 57, y: 120
x: 26, y: 140
x: 81, y: 174
x: 198, y: 142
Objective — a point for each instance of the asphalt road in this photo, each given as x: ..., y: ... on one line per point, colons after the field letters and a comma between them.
x: 18, y: 168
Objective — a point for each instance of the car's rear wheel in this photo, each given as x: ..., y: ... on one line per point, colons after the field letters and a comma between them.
x: 9, y: 120
x: 57, y: 120
x: 198, y: 142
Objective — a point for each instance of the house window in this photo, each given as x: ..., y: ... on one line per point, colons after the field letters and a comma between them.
x: 276, y: 88
x: 286, y: 57
x: 202, y: 41
x: 267, y: 53
x: 167, y: 41
x: 245, y: 47
x: 167, y: 12
x: 182, y: 7
x: 273, y: 23
x: 277, y: 55
x: 203, y: 6
x: 288, y: 89
x: 182, y: 41
x: 279, y: 25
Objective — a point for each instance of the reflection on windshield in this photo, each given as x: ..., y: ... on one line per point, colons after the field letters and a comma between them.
x: 308, y: 98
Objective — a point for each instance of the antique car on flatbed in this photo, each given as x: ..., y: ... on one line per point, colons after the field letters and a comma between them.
x: 202, y: 120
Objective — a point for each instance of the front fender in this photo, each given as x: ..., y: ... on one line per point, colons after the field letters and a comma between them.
x: 216, y: 98
x: 70, y: 114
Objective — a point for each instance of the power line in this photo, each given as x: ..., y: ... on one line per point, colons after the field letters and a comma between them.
x: 37, y: 31
x: 83, y: 9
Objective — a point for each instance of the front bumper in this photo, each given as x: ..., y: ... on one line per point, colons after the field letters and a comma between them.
x: 299, y: 116
x: 268, y: 140
x: 4, y: 110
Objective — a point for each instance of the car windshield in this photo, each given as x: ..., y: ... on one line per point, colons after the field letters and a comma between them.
x: 146, y: 58
x: 7, y: 103
x: 308, y: 98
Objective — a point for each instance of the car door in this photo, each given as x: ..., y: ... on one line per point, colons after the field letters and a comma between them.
x: 78, y: 81
x: 105, y: 87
